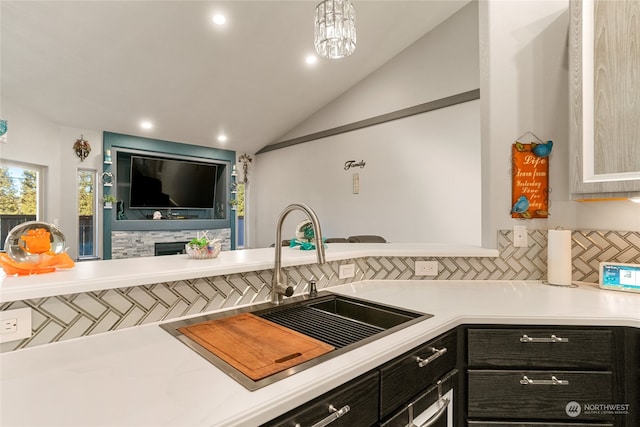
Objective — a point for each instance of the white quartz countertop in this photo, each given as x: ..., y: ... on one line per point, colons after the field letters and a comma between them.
x: 90, y: 276
x: 144, y: 377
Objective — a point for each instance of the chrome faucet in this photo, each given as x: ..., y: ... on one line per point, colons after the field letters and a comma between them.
x: 279, y: 286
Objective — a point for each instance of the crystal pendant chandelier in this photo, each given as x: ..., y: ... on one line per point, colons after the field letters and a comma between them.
x: 335, y: 29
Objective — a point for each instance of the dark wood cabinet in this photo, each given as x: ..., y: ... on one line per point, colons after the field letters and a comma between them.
x: 357, y: 402
x: 386, y: 392
x: 532, y: 424
x: 534, y: 395
x: 407, y: 375
x: 540, y: 348
x: 630, y: 377
x: 532, y: 376
x: 499, y: 376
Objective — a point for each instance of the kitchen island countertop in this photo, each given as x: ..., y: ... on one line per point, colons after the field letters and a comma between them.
x: 88, y: 276
x: 142, y: 376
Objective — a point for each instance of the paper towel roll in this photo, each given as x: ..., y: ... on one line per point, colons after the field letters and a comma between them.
x: 559, y: 257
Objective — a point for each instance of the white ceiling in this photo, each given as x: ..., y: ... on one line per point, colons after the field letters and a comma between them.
x: 107, y: 65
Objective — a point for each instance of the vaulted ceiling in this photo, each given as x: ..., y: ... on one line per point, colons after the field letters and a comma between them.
x: 108, y: 65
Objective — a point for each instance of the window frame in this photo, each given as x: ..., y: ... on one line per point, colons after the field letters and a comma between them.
x: 96, y: 223
x: 40, y: 172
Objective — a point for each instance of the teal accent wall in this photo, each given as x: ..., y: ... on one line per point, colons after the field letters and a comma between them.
x: 116, y: 141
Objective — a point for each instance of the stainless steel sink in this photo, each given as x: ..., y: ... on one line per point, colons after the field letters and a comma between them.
x: 344, y: 322
x: 338, y: 320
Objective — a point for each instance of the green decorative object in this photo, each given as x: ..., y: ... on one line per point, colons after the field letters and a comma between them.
x: 3, y: 131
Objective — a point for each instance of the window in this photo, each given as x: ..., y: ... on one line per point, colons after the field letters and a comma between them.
x: 19, y: 195
x: 87, y: 230
x: 241, y: 229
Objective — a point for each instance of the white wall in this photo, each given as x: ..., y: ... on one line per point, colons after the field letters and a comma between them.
x: 421, y: 182
x: 524, y: 86
x: 402, y: 197
x: 35, y: 140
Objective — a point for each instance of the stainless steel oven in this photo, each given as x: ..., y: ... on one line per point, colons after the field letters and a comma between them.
x: 432, y: 408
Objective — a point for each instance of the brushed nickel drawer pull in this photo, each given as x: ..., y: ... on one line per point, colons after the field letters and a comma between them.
x: 335, y: 414
x: 553, y: 381
x: 552, y: 338
x: 436, y: 353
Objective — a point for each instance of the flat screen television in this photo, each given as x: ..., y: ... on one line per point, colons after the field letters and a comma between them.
x: 161, y: 183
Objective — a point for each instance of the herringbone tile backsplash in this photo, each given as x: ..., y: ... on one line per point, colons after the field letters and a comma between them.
x: 70, y: 316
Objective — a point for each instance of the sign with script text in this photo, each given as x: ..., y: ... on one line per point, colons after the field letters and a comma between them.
x: 530, y: 185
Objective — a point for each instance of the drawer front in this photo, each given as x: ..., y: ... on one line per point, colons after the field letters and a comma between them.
x: 360, y: 395
x: 403, y: 378
x: 502, y: 394
x: 526, y: 347
x: 533, y: 424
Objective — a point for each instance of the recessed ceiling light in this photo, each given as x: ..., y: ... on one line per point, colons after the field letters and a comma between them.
x: 222, y: 138
x: 146, y: 124
x: 311, y: 59
x: 219, y: 19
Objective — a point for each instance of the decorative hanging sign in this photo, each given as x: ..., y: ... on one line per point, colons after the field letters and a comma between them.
x: 245, y: 159
x: 82, y: 148
x: 530, y: 177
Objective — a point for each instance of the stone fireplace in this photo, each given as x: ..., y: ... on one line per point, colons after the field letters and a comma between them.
x: 169, y: 248
x: 131, y: 244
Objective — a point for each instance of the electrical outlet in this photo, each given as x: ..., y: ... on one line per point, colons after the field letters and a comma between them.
x: 9, y: 325
x: 15, y: 324
x: 426, y: 268
x: 520, y: 237
x: 346, y: 271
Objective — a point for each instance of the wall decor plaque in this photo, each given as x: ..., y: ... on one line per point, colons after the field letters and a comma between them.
x: 530, y: 178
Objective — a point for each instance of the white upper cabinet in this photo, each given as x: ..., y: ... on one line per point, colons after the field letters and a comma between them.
x: 604, y: 90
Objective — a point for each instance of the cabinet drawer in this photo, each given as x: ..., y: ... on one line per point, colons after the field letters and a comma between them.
x: 361, y: 396
x: 533, y: 424
x: 502, y: 394
x: 403, y: 378
x: 523, y: 348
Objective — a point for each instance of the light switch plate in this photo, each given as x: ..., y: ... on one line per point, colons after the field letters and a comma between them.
x: 520, y: 238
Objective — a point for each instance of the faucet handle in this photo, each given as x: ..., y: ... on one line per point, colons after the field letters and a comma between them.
x: 313, y: 290
x: 279, y: 290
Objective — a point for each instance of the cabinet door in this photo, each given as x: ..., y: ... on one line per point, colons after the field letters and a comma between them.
x: 632, y: 375
x: 540, y: 348
x: 406, y: 376
x: 532, y: 424
x: 534, y: 395
x: 604, y: 69
x: 357, y: 401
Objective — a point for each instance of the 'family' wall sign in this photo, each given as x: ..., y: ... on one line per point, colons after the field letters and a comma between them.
x: 353, y: 164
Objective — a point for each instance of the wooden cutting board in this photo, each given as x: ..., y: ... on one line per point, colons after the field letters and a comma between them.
x: 255, y: 346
